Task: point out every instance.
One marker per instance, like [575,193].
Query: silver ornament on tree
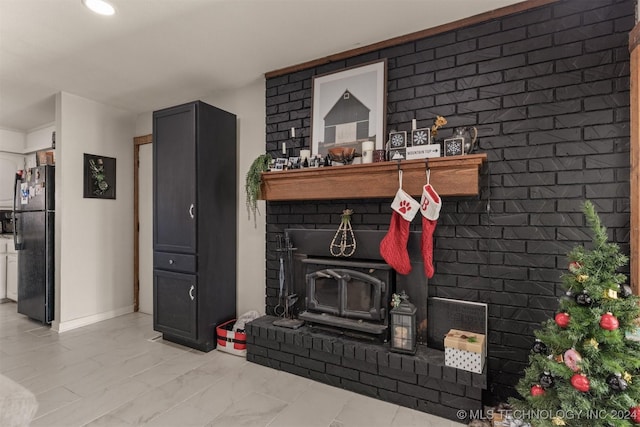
[584,299]
[625,291]
[539,347]
[616,382]
[546,380]
[344,242]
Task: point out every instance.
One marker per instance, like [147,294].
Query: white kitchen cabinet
[3,268]
[12,272]
[9,164]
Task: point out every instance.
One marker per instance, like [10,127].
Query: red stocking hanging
[430,209]
[393,246]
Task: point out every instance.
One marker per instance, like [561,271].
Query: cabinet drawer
[174,262]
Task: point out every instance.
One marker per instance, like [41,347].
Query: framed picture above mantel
[349,108]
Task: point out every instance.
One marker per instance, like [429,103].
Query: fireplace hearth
[420,381]
[343,300]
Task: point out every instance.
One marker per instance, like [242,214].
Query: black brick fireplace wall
[548,90]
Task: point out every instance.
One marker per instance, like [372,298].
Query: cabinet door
[12,277]
[174,177]
[175,303]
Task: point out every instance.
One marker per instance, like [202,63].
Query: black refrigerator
[33,210]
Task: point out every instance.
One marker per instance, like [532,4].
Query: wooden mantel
[450,176]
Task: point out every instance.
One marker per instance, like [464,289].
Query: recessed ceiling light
[100,7]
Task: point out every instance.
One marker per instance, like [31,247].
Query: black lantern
[403,325]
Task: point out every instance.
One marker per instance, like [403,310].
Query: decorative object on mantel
[452,176]
[253,181]
[397,145]
[347,245]
[349,107]
[422,143]
[453,147]
[422,146]
[342,155]
[403,324]
[99,177]
[469,136]
[438,122]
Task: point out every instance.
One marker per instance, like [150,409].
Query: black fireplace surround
[548,90]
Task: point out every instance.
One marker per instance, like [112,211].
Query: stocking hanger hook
[428,172]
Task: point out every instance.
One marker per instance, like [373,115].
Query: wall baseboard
[89,320]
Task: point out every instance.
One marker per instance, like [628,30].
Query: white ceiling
[157,53]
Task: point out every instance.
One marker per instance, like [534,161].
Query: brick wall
[548,90]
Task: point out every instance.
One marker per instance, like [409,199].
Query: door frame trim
[137,142]
[634,139]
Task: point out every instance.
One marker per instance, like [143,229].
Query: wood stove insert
[348,295]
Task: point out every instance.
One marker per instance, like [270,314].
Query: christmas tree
[583,368]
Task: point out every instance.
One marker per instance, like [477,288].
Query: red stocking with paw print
[393,247]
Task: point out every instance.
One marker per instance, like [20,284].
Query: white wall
[94,243]
[247,104]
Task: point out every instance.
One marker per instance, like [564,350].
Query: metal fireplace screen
[349,295]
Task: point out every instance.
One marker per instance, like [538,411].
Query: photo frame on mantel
[349,107]
[99,177]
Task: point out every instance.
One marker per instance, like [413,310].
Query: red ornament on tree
[609,322]
[562,319]
[580,382]
[537,390]
[634,413]
[574,266]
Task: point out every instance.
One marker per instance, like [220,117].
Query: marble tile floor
[119,372]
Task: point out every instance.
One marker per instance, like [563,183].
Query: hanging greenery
[252,183]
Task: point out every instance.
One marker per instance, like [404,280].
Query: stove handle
[336,276]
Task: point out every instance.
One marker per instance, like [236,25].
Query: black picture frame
[420,137]
[349,107]
[453,147]
[397,140]
[99,177]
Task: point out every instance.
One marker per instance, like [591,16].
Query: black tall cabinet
[194,222]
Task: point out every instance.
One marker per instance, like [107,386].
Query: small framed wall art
[420,137]
[397,145]
[99,177]
[453,147]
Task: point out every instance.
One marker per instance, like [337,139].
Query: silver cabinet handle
[171,261]
[191,292]
[191,211]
